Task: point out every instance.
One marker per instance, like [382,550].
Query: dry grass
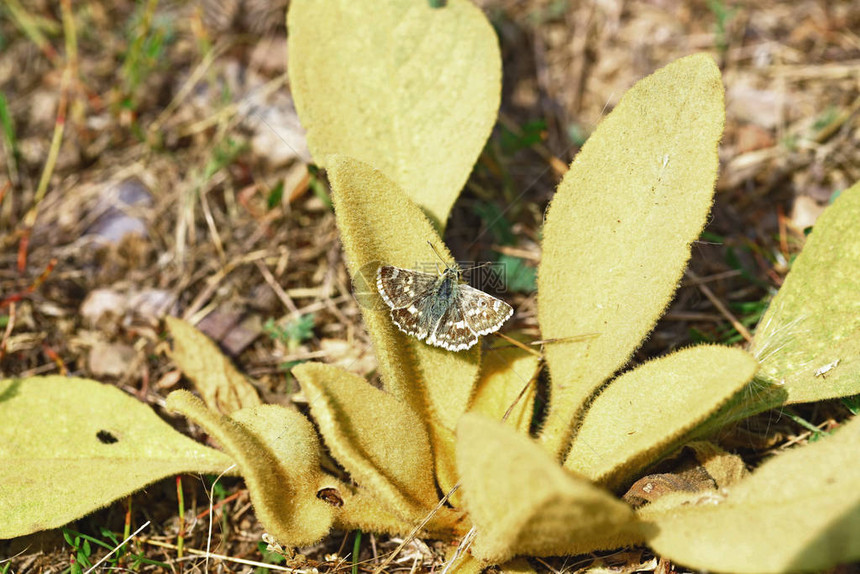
[192,146]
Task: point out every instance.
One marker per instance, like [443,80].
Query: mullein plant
[444,448]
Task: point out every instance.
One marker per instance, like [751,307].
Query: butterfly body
[438,309]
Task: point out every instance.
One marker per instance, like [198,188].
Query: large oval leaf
[808,342]
[619,229]
[523,502]
[277,452]
[648,411]
[799,512]
[412,90]
[379,440]
[71,446]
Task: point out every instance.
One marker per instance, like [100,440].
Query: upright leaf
[379,440]
[412,90]
[277,453]
[379,225]
[808,342]
[618,231]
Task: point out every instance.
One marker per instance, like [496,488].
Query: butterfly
[439,309]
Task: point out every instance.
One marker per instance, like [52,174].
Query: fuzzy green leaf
[412,90]
[618,231]
[444,454]
[800,511]
[277,452]
[507,381]
[517,566]
[508,377]
[222,387]
[71,446]
[364,511]
[376,438]
[464,562]
[649,411]
[523,502]
[808,342]
[379,225]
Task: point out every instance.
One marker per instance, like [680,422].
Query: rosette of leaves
[617,238]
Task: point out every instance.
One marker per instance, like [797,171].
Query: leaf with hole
[70,446]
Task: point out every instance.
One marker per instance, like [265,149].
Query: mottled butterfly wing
[451,331]
[484,313]
[408,294]
[402,287]
[410,321]
[438,309]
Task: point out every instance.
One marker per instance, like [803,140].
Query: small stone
[110,359]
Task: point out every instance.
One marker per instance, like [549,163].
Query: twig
[15,297]
[195,552]
[120,545]
[414,532]
[706,291]
[279,291]
[517,344]
[69,71]
[464,545]
[525,388]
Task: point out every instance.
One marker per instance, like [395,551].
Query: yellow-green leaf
[508,381]
[412,90]
[363,511]
[277,452]
[379,225]
[221,386]
[809,340]
[618,231]
[464,562]
[444,441]
[517,566]
[70,446]
[649,411]
[799,512]
[523,502]
[723,467]
[380,441]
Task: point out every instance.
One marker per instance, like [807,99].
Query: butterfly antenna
[433,247]
[442,259]
[478,266]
